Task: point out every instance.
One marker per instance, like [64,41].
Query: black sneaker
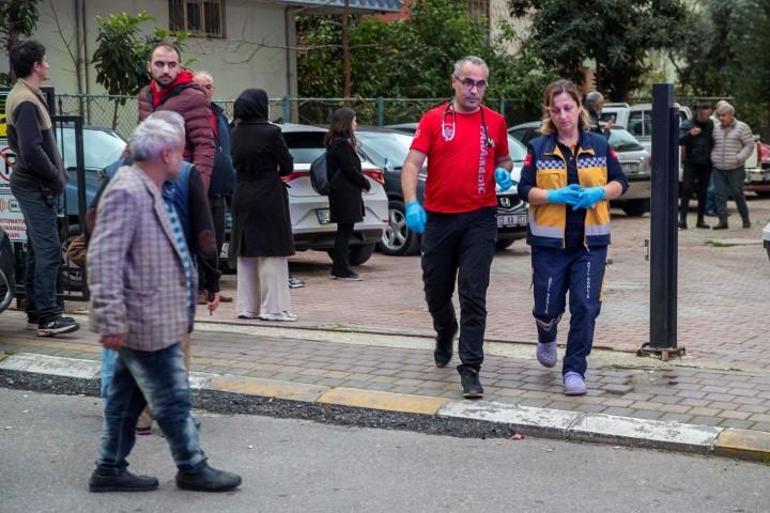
[469,379]
[208,479]
[347,277]
[442,354]
[57,326]
[120,480]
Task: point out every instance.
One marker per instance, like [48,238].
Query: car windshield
[382,146]
[305,147]
[621,140]
[100,147]
[517,150]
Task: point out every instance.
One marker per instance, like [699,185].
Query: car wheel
[504,243]
[358,254]
[636,208]
[397,239]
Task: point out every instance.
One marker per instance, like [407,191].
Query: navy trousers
[581,272]
[458,248]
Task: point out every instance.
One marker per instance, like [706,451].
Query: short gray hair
[470,59]
[725,106]
[155,134]
[169,116]
[203,74]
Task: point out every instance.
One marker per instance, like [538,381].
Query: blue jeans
[43,259]
[581,271]
[161,377]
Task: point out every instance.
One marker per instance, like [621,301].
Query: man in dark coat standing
[173,88]
[37,182]
[223,173]
[696,137]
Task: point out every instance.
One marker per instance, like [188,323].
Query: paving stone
[706,421]
[676,417]
[618,411]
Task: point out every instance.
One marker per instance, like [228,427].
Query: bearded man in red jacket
[172,88]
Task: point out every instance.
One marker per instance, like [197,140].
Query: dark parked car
[387,148]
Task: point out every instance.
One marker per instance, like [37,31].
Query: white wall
[253,54]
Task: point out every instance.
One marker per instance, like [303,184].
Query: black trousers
[218,215]
[695,179]
[341,257]
[217,205]
[459,248]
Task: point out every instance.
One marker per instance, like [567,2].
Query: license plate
[630,168]
[323,215]
[225,253]
[507,220]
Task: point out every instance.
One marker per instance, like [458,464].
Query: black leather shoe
[721,226]
[469,379]
[746,223]
[442,354]
[120,480]
[702,224]
[682,225]
[208,479]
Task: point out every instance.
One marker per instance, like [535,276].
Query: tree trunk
[115,115]
[346,88]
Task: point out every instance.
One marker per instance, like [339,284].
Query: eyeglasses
[469,83]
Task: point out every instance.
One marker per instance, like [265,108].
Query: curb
[502,418]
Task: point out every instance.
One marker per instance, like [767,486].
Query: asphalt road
[48,444]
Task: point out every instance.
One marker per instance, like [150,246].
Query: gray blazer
[136,273]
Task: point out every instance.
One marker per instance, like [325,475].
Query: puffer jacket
[189,101]
[732,145]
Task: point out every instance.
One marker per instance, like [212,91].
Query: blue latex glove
[503,178]
[415,216]
[568,195]
[589,197]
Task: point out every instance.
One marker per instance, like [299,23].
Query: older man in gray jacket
[733,144]
[143,295]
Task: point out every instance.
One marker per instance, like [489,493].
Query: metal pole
[380,111]
[287,109]
[663,225]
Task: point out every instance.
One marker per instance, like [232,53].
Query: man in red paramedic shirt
[466,145]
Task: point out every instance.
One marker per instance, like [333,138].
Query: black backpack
[319,175]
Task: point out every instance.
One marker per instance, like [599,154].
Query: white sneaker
[278,317]
[246,315]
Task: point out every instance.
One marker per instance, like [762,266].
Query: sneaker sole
[45,332]
[473,395]
[102,489]
[182,486]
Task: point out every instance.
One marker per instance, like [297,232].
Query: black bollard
[663,226]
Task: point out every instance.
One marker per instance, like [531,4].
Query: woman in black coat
[262,239]
[347,182]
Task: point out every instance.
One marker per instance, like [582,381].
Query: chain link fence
[121,112]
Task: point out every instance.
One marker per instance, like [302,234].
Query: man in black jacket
[37,181]
[223,172]
[695,136]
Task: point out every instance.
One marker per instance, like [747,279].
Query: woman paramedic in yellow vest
[568,178]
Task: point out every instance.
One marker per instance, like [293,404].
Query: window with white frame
[202,18]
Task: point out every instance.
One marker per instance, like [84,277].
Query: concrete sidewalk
[630,400]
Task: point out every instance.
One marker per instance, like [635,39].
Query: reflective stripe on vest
[547,222]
